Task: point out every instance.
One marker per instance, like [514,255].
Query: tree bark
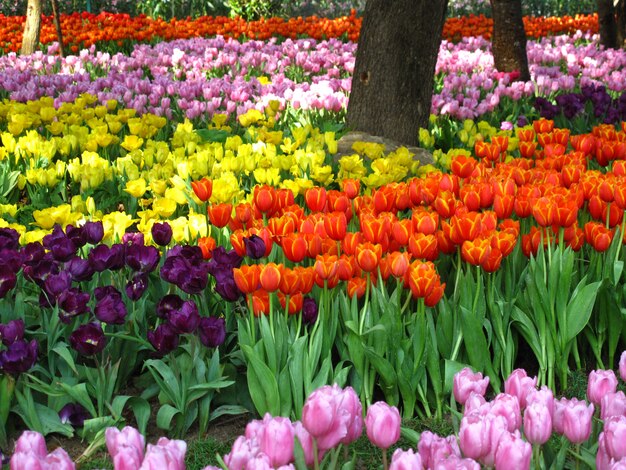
[57,25]
[607,23]
[508,43]
[620,14]
[30,38]
[392,84]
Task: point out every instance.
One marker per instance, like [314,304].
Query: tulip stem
[316,462]
[385,464]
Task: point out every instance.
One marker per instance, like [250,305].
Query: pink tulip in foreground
[434,449]
[405,460]
[572,418]
[480,434]
[31,454]
[455,462]
[466,382]
[537,423]
[382,425]
[520,385]
[613,404]
[600,383]
[126,447]
[513,452]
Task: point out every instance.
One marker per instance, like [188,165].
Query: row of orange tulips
[84,29]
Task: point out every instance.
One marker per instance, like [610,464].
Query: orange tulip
[295,302]
[425,221]
[260,302]
[335,225]
[376,229]
[315,199]
[345,267]
[598,236]
[307,278]
[525,134]
[401,230]
[270,276]
[236,240]
[289,281]
[543,211]
[527,149]
[325,266]
[264,198]
[350,241]
[368,256]
[207,245]
[203,189]
[351,187]
[445,204]
[356,286]
[504,242]
[265,234]
[294,247]
[220,214]
[463,166]
[436,294]
[243,213]
[470,196]
[465,226]
[247,278]
[493,261]
[543,125]
[422,277]
[476,251]
[423,246]
[398,263]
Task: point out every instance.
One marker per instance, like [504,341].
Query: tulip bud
[382,425]
[613,404]
[600,383]
[519,385]
[622,366]
[537,423]
[513,452]
[466,382]
[405,460]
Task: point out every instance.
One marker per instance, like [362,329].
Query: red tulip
[203,189]
[294,247]
[543,125]
[543,211]
[463,166]
[247,278]
[368,256]
[351,187]
[336,225]
[315,199]
[220,214]
[264,198]
[207,245]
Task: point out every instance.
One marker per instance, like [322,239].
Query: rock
[344,146]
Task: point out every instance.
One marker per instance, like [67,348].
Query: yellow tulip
[136,188]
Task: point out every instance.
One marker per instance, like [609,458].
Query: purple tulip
[32,252]
[309,311]
[382,424]
[513,452]
[600,383]
[405,460]
[39,271]
[167,304]
[19,357]
[537,423]
[12,331]
[322,416]
[184,271]
[88,339]
[212,331]
[110,307]
[185,319]
[465,382]
[74,413]
[93,232]
[76,235]
[80,269]
[519,385]
[133,238]
[255,246]
[12,259]
[55,284]
[72,302]
[163,339]
[572,418]
[136,286]
[622,366]
[161,233]
[142,258]
[613,404]
[9,239]
[228,290]
[433,448]
[103,257]
[59,244]
[8,279]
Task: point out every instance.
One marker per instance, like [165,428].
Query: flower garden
[183,239]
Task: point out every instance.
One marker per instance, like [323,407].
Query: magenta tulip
[513,452]
[306,441]
[352,405]
[405,460]
[168,455]
[128,441]
[520,385]
[600,383]
[454,462]
[277,441]
[619,465]
[507,406]
[31,442]
[543,395]
[573,419]
[243,450]
[466,382]
[480,434]
[613,404]
[382,424]
[615,437]
[537,423]
[474,402]
[324,418]
[433,448]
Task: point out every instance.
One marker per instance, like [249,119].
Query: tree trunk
[30,38]
[607,24]
[620,19]
[57,25]
[392,84]
[508,43]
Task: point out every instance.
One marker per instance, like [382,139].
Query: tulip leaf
[284,388]
[450,370]
[62,350]
[580,307]
[165,415]
[296,363]
[298,454]
[38,417]
[141,410]
[527,328]
[322,376]
[227,410]
[261,384]
[212,135]
[79,393]
[410,435]
[385,370]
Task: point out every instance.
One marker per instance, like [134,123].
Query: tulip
[255,246]
[465,382]
[94,232]
[19,357]
[480,434]
[185,319]
[242,451]
[212,331]
[126,447]
[573,419]
[203,189]
[161,233]
[433,448]
[11,332]
[613,404]
[31,442]
[507,406]
[537,423]
[294,247]
[73,413]
[382,424]
[220,214]
[88,339]
[455,462]
[520,385]
[351,405]
[622,366]
[513,452]
[163,339]
[306,442]
[599,384]
[166,454]
[110,307]
[309,311]
[269,277]
[323,418]
[405,460]
[276,440]
[614,433]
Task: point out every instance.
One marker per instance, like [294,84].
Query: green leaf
[261,384]
[79,393]
[212,135]
[227,410]
[284,388]
[165,415]
[410,435]
[62,350]
[579,308]
[141,410]
[450,369]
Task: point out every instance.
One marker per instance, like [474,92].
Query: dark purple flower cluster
[19,355]
[570,105]
[185,267]
[11,260]
[221,268]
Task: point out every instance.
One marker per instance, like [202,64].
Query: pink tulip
[520,385]
[537,423]
[474,402]
[480,434]
[405,460]
[615,437]
[31,442]
[513,452]
[128,437]
[382,424]
[622,366]
[59,459]
[324,418]
[613,404]
[603,461]
[168,455]
[573,419]
[306,441]
[543,395]
[26,461]
[600,383]
[351,403]
[242,451]
[456,463]
[619,465]
[211,467]
[465,382]
[433,448]
[277,441]
[127,458]
[507,406]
